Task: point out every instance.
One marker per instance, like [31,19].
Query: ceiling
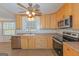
[45,8]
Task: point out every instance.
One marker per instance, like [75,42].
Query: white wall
[3,38]
[5,16]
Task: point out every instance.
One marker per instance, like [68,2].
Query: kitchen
[53,30]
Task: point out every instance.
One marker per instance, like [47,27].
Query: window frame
[8,29]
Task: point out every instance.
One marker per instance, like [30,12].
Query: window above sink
[30,25]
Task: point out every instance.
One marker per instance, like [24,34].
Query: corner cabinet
[69,51]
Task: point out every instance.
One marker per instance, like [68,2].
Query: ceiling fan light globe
[27,12]
[31,19]
[33,13]
[29,15]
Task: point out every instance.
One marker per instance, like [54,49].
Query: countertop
[74,45]
[32,34]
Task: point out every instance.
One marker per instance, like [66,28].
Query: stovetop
[58,37]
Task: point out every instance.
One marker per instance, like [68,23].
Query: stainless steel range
[58,44]
[70,36]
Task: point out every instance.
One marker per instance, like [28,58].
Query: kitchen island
[32,41]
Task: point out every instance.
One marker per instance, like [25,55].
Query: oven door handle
[57,41]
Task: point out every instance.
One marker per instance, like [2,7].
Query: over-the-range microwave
[68,22]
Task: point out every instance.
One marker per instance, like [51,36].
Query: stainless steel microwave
[68,22]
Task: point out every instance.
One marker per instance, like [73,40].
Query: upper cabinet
[50,21]
[45,21]
[75,16]
[53,21]
[18,22]
[67,9]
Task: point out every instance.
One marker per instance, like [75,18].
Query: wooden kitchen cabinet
[53,21]
[42,22]
[15,42]
[18,21]
[69,51]
[36,42]
[27,42]
[67,9]
[43,42]
[48,21]
[75,16]
[24,42]
[31,42]
[45,21]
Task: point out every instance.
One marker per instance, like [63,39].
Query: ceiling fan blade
[22,11]
[21,5]
[30,4]
[38,14]
[36,6]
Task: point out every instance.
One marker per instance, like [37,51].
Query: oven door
[58,47]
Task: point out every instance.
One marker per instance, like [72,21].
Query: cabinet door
[50,42]
[41,43]
[18,22]
[48,21]
[24,42]
[42,21]
[75,16]
[45,21]
[53,21]
[68,51]
[68,9]
[31,42]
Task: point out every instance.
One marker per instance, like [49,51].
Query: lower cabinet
[24,42]
[41,43]
[68,51]
[31,42]
[36,42]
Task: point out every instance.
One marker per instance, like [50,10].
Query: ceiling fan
[31,10]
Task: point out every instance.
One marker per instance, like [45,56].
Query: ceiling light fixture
[32,10]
